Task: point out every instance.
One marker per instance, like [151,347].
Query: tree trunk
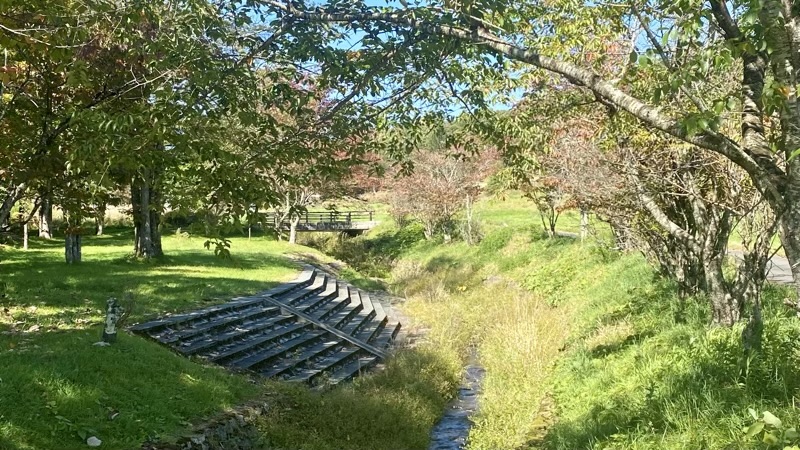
[790,223]
[726,310]
[72,246]
[468,208]
[147,205]
[295,220]
[100,219]
[553,220]
[46,218]
[584,224]
[12,197]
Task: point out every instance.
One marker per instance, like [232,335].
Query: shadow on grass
[682,382]
[603,350]
[62,390]
[181,280]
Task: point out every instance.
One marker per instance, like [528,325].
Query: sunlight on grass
[62,387]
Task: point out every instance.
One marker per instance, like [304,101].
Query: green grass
[60,387]
[584,348]
[487,296]
[394,409]
[644,373]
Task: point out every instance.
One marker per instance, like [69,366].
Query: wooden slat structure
[316,329]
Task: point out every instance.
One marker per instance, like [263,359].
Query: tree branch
[765,172]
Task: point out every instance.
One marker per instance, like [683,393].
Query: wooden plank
[365,315]
[307,354]
[375,326]
[352,369]
[194,315]
[308,374]
[236,334]
[279,350]
[297,295]
[267,338]
[387,335]
[218,322]
[363,345]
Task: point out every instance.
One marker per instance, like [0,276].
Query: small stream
[451,432]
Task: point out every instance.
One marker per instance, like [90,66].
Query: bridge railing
[313,217]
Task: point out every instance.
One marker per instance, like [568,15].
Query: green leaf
[753,413]
[634,56]
[771,420]
[770,439]
[754,429]
[791,434]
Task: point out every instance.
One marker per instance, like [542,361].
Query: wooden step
[370,331]
[236,334]
[281,349]
[256,342]
[311,329]
[201,314]
[314,369]
[314,351]
[387,335]
[296,296]
[305,278]
[365,315]
[353,369]
[227,320]
[309,303]
[274,352]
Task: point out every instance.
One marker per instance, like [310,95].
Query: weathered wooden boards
[314,329]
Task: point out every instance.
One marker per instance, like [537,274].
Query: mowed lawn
[56,388]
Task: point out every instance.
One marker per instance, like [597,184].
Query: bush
[496,240]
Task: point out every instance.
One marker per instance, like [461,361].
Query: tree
[439,187]
[678,205]
[684,40]
[103,96]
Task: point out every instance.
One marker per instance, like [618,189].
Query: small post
[24,228]
[113,313]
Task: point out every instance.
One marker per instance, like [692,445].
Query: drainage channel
[451,432]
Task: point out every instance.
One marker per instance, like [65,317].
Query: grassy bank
[514,298]
[56,388]
[586,348]
[583,348]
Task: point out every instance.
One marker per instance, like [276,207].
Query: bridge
[328,221]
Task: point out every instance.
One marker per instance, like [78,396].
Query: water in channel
[451,432]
